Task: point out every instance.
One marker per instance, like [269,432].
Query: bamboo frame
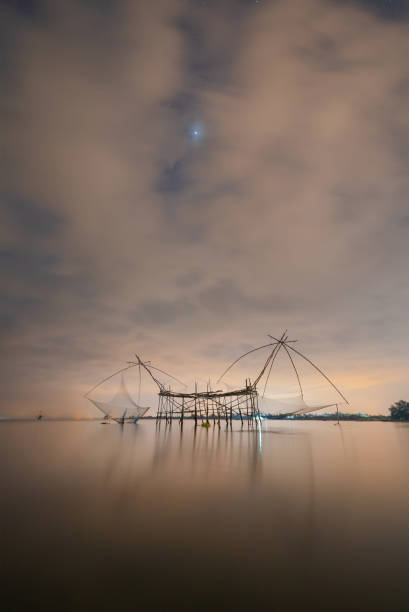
[209,404]
[219,405]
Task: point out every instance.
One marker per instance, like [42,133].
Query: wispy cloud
[120,231]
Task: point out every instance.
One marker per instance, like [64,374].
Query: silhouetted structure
[241,403]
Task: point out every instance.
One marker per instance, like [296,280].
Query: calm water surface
[296,516]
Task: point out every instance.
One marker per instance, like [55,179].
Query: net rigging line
[241,357]
[150,367]
[316,367]
[282,343]
[248,353]
[101,382]
[130,365]
[272,357]
[295,370]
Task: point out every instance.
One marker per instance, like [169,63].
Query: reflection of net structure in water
[200,449]
[245,403]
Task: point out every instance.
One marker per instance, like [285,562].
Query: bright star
[196,132]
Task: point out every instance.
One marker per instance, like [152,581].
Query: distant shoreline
[326,417]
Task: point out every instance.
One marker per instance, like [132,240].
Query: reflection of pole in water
[181,438]
[341,431]
[215,449]
[126,483]
[260,439]
[310,518]
[194,440]
[337,423]
[161,446]
[256,441]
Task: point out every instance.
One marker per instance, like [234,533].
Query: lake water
[297,516]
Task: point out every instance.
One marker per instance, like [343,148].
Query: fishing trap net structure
[244,403]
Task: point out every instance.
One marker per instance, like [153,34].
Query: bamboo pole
[196,405]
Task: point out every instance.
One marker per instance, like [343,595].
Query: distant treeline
[400,411]
[329,417]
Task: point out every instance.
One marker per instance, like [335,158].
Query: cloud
[162,312]
[120,234]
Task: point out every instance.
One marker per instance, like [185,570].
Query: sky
[181,178]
